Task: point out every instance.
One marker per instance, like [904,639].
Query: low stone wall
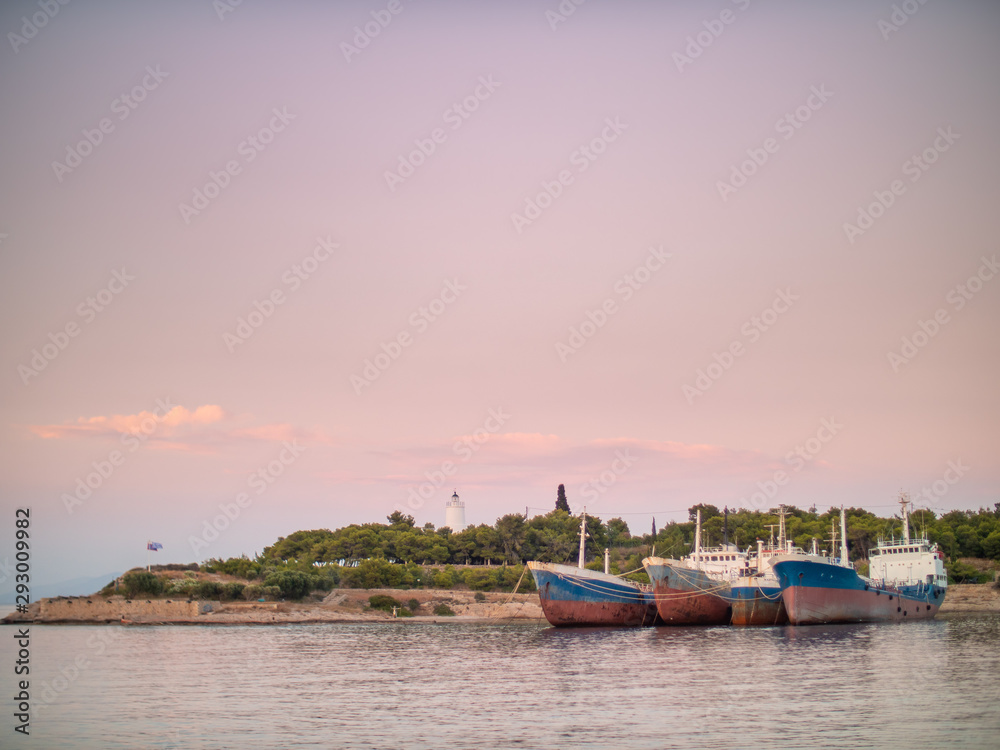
[115,608]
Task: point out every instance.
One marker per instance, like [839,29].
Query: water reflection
[926,684]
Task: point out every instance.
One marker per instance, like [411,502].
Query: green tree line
[399,554]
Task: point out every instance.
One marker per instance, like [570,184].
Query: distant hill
[72,587]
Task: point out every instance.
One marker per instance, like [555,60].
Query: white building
[454,514]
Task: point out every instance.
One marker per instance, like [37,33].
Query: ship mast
[781,528]
[843,538]
[583,537]
[697,535]
[904,501]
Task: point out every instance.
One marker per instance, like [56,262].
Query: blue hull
[819,592]
[574,597]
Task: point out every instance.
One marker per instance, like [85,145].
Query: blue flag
[154,546]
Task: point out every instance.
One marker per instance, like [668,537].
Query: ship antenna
[583,537]
[725,527]
[904,501]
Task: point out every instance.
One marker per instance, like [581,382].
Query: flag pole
[147,555]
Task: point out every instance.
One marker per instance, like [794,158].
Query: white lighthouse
[454,514]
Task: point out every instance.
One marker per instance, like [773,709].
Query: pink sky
[488,254]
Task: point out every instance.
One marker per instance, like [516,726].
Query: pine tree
[561,502]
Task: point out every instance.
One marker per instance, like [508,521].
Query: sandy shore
[343,605]
[971,597]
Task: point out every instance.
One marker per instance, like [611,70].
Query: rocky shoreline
[350,606]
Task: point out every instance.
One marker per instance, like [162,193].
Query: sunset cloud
[206,428]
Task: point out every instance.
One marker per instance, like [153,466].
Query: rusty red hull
[688,597]
[759,611]
[810,606]
[565,613]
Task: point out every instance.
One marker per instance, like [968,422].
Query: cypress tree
[561,502]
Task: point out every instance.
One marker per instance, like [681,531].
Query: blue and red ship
[906,581]
[578,596]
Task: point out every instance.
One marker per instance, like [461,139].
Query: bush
[507,578]
[444,579]
[480,579]
[380,601]
[373,574]
[413,605]
[444,610]
[960,572]
[137,582]
[271,592]
[480,596]
[253,592]
[207,590]
[232,590]
[291,583]
[327,577]
[182,586]
[241,567]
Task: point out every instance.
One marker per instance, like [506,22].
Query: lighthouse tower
[454,514]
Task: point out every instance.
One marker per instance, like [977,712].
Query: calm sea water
[920,685]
